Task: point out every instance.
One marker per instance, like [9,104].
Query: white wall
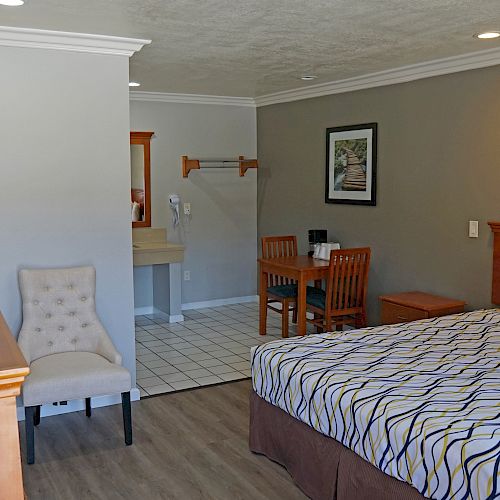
[64,166]
[221,237]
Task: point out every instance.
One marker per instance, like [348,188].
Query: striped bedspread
[420,401]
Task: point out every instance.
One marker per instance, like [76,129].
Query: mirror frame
[144,138]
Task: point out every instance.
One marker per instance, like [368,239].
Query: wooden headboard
[495,285]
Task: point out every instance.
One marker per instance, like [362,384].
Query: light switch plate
[187,208]
[473,229]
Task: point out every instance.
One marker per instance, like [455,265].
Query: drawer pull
[402,317]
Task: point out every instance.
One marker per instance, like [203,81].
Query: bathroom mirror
[140,175]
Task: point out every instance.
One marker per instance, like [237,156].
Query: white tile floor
[211,346]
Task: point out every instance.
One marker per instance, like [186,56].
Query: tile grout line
[224,323]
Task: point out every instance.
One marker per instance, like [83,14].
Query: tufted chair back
[59,312]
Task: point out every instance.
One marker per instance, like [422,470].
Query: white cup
[325,249]
[317,248]
[324,253]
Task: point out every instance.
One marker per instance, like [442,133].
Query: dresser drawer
[394,313]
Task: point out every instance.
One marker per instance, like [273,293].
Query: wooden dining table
[301,268]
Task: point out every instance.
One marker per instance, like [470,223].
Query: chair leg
[360,321]
[29,419]
[88,407]
[36,416]
[284,318]
[328,325]
[127,417]
[319,328]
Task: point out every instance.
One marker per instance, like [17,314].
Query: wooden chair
[344,301]
[279,288]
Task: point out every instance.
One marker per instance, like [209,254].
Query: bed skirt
[323,468]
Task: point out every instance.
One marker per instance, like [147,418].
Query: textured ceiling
[256,47]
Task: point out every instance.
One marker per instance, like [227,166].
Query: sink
[150,247]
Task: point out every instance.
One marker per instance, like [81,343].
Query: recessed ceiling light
[134,84]
[12,3]
[308,78]
[487,35]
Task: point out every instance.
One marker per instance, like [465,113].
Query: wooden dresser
[411,306]
[13,371]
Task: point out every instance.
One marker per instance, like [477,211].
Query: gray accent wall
[221,234]
[438,168]
[64,165]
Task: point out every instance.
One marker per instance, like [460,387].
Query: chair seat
[73,375]
[283,291]
[316,297]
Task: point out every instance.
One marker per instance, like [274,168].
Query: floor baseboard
[219,302]
[141,311]
[145,310]
[169,318]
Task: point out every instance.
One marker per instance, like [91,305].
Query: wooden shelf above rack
[242,163]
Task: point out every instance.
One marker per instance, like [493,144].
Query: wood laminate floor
[187,445]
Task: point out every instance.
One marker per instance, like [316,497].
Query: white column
[175,296]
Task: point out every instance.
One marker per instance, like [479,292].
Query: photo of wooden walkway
[355,176]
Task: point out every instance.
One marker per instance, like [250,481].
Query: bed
[407,411]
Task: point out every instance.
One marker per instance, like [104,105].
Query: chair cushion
[285,291]
[316,297]
[73,375]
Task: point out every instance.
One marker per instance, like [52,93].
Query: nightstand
[411,306]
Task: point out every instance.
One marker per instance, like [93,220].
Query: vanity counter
[150,247]
[147,253]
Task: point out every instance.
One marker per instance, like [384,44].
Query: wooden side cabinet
[411,306]
[13,370]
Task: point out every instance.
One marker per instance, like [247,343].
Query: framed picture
[351,164]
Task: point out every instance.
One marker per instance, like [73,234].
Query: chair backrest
[59,312]
[347,281]
[279,246]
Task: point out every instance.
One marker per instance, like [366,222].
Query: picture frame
[351,164]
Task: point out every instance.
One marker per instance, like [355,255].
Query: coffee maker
[316,236]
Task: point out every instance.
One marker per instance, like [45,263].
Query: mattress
[420,401]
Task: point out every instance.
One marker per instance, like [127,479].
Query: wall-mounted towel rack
[241,162]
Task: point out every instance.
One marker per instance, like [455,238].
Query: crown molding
[403,74]
[75,42]
[192,99]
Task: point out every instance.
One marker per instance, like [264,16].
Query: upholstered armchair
[69,352]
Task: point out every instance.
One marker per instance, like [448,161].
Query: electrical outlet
[187,208]
[473,229]
[187,275]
